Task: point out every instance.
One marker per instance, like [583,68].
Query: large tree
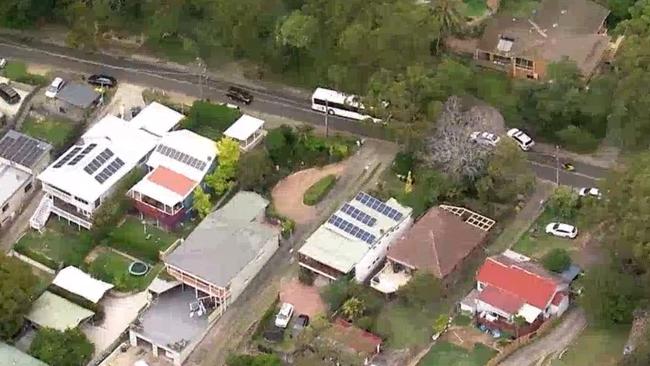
[56,348]
[17,283]
[256,171]
[508,174]
[609,296]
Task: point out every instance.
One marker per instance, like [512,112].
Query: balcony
[390,278]
[70,213]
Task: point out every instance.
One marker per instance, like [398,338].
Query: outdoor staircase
[42,213]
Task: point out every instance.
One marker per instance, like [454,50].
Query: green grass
[113,267]
[475,8]
[319,190]
[462,320]
[519,8]
[210,120]
[596,346]
[403,326]
[536,242]
[59,243]
[17,71]
[130,238]
[445,353]
[55,131]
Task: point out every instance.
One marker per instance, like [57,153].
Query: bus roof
[334,96]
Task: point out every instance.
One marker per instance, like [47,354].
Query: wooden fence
[520,342]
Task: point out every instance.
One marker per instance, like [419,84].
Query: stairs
[42,213]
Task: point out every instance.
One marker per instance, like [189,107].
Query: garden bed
[59,244]
[319,190]
[113,267]
[141,241]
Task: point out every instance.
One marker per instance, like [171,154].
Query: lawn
[59,243]
[475,8]
[210,120]
[113,267]
[445,353]
[519,8]
[536,242]
[144,242]
[602,347]
[403,326]
[17,71]
[55,131]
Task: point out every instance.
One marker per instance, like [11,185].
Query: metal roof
[53,311]
[22,149]
[79,95]
[14,357]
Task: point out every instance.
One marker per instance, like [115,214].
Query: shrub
[404,163]
[111,212]
[56,348]
[266,318]
[258,360]
[319,190]
[306,276]
[36,255]
[209,120]
[557,260]
[336,293]
[564,203]
[421,290]
[576,139]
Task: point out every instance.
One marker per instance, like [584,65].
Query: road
[271,101]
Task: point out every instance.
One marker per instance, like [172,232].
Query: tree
[221,180]
[256,171]
[353,308]
[440,324]
[421,290]
[201,202]
[297,30]
[563,203]
[17,283]
[448,15]
[609,296]
[56,348]
[257,360]
[508,174]
[556,260]
[519,321]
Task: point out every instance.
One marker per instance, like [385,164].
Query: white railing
[70,217]
[42,213]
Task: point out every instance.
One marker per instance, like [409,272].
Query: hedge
[319,190]
[37,256]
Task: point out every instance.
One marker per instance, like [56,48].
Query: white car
[3,62]
[524,141]
[589,192]
[284,315]
[54,88]
[484,138]
[562,230]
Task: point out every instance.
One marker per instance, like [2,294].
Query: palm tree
[353,308]
[449,15]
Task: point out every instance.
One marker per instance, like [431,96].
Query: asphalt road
[270,101]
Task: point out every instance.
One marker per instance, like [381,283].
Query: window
[81,200]
[98,202]
[28,187]
[5,208]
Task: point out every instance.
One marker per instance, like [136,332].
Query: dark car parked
[301,322]
[9,94]
[102,80]
[239,94]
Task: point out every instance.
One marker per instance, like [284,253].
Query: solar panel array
[98,161]
[22,149]
[82,154]
[351,229]
[358,215]
[108,172]
[181,156]
[67,157]
[378,206]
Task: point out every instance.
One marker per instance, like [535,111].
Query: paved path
[8,238]
[559,338]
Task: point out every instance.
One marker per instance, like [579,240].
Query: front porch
[391,278]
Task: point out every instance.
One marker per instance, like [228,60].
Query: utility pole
[557,165]
[201,74]
[327,112]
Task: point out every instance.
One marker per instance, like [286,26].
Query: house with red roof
[176,167]
[510,285]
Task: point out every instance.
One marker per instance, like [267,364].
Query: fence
[520,342]
[32,262]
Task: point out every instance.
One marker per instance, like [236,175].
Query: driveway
[558,339]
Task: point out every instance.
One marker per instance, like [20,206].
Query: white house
[247,130]
[355,238]
[85,175]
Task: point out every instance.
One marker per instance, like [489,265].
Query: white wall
[15,202]
[374,257]
[239,283]
[482,306]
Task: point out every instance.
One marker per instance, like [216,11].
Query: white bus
[336,103]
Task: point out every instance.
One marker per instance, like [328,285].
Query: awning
[159,286]
[530,313]
[80,283]
[53,311]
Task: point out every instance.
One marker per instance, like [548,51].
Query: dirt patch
[305,299]
[467,337]
[39,69]
[287,195]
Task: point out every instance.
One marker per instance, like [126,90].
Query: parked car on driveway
[589,192]
[55,87]
[484,138]
[240,95]
[301,322]
[562,230]
[102,80]
[524,141]
[8,93]
[284,315]
[3,62]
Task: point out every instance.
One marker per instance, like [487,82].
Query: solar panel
[21,149]
[111,169]
[181,157]
[378,206]
[358,215]
[352,229]
[67,157]
[98,161]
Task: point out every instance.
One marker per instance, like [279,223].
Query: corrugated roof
[244,127]
[79,95]
[23,150]
[12,356]
[53,311]
[500,299]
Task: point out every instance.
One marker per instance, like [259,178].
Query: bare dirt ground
[467,336]
[288,193]
[305,299]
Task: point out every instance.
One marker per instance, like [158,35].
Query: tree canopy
[56,348]
[17,283]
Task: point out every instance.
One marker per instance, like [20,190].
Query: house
[86,175]
[355,238]
[438,243]
[12,356]
[247,130]
[212,267]
[73,100]
[176,167]
[524,47]
[510,286]
[21,159]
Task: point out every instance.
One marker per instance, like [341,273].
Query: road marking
[564,171]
